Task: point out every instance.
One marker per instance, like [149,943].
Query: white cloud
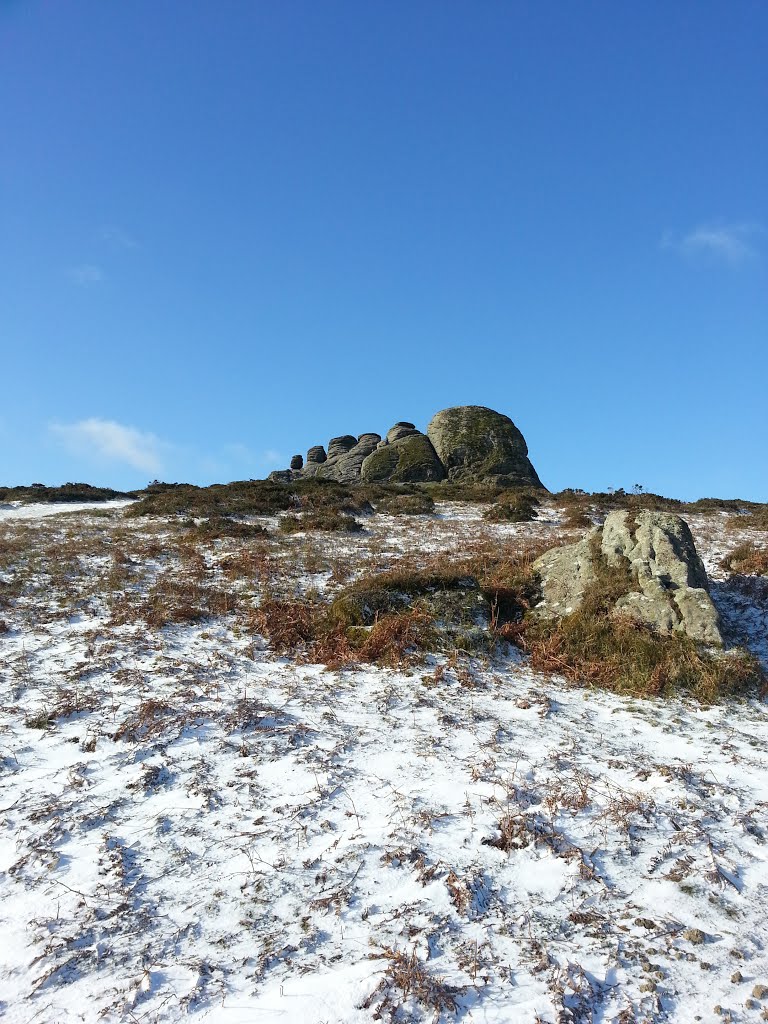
[85,274]
[116,238]
[112,442]
[728,243]
[272,458]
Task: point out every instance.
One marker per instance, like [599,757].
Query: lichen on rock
[476,443]
[668,588]
[408,459]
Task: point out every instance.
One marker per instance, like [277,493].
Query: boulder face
[478,444]
[565,574]
[673,591]
[340,445]
[401,430]
[670,592]
[410,458]
[346,468]
[316,454]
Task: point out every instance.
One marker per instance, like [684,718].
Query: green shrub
[326,519]
[248,497]
[65,492]
[243,497]
[216,527]
[747,559]
[405,505]
[513,507]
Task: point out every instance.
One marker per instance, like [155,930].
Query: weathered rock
[297,462]
[316,454]
[402,429]
[565,574]
[409,459]
[282,476]
[669,590]
[674,590]
[340,445]
[475,443]
[346,468]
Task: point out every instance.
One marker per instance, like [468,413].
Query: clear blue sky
[231,230]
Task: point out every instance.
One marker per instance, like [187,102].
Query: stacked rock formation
[465,443]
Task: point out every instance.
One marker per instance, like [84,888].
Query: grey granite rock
[476,443]
[316,454]
[408,459]
[669,592]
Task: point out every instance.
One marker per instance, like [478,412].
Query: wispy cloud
[112,442]
[116,237]
[85,274]
[272,458]
[733,244]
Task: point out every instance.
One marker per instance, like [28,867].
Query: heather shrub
[326,519]
[747,559]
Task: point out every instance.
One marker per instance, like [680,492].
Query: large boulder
[478,444]
[673,587]
[408,459]
[669,589]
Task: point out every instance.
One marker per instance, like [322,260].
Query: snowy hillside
[194,825]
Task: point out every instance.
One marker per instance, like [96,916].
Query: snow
[39,510]
[215,832]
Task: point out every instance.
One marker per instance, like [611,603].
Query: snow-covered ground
[207,829]
[39,510]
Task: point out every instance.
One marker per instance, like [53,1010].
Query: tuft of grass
[757,519]
[174,599]
[295,627]
[405,505]
[407,978]
[326,519]
[513,507]
[217,527]
[747,559]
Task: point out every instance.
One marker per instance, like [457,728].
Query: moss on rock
[407,460]
[476,443]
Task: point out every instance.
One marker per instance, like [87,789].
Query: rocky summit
[468,443]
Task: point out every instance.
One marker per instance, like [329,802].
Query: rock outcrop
[409,458]
[297,462]
[475,443]
[340,445]
[467,443]
[399,430]
[669,589]
[316,455]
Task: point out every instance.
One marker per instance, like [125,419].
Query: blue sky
[229,231]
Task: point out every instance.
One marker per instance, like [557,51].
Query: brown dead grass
[748,559]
